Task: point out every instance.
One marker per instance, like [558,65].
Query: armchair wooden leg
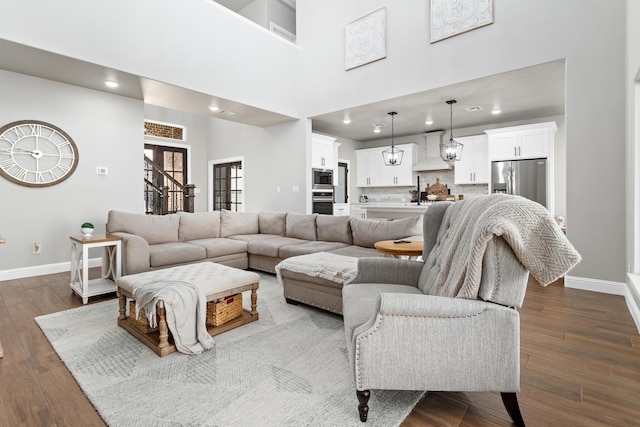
[510,401]
[363,407]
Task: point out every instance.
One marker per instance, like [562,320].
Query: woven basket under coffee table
[220,284]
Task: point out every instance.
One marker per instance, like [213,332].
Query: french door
[228,185]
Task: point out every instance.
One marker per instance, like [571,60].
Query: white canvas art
[451,17]
[365,39]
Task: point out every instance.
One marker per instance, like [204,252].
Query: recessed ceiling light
[111,84]
[474,108]
[496,111]
[428,122]
[377,127]
[346,120]
[214,108]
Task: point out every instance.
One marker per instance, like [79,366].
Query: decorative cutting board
[438,189]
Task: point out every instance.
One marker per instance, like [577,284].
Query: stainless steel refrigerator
[526,178]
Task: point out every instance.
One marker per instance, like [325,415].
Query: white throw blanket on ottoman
[336,268]
[186,312]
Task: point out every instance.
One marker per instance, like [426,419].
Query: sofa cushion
[271,246]
[220,246]
[199,225]
[309,248]
[153,228]
[272,223]
[238,223]
[301,226]
[366,232]
[334,228]
[163,254]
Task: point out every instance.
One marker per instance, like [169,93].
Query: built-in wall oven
[322,191]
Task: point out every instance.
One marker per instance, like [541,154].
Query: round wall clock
[36,154]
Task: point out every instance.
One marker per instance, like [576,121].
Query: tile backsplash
[402,194]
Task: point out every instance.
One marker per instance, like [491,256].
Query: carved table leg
[122,301]
[363,407]
[162,326]
[254,302]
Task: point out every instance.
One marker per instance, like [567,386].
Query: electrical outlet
[37,248]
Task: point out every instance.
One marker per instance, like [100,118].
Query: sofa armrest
[135,254]
[388,270]
[424,342]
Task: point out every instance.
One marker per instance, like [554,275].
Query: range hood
[429,154]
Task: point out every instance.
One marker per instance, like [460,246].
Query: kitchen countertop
[389,207]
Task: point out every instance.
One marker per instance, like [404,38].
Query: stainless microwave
[322,179]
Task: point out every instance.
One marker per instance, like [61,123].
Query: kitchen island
[379,210]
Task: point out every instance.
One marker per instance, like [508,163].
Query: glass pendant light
[451,150]
[392,156]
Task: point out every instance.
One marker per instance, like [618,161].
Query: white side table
[80,282]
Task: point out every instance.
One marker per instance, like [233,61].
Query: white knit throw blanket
[528,228]
[336,268]
[185,310]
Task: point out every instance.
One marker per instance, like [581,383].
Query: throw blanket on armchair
[527,227]
[186,312]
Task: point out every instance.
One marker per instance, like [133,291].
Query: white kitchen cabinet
[340,209]
[372,172]
[368,169]
[473,166]
[358,211]
[522,142]
[323,152]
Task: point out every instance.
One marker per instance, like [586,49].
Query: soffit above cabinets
[524,94]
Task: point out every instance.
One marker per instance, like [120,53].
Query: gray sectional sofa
[246,240]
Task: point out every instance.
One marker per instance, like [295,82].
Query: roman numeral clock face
[36,154]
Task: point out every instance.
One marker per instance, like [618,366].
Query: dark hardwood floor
[580,359]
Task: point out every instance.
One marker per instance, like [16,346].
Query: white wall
[523,34]
[197,44]
[107,130]
[274,157]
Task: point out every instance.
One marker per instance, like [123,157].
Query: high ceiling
[529,93]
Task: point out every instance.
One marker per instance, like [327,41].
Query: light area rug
[289,368]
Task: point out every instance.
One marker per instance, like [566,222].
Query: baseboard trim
[632,296]
[595,285]
[41,270]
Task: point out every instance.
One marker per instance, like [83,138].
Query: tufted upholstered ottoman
[216,281]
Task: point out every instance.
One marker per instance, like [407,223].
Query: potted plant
[87,229]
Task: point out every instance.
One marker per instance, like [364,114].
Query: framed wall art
[452,17]
[365,39]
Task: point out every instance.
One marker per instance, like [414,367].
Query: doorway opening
[165,177]
[342,183]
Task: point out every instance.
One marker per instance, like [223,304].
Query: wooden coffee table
[216,280]
[413,249]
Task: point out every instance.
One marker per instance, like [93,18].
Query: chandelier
[392,156]
[451,150]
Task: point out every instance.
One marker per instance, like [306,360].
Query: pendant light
[451,150]
[392,156]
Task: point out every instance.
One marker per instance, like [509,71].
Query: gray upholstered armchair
[407,326]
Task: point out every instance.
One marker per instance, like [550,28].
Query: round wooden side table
[412,249]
